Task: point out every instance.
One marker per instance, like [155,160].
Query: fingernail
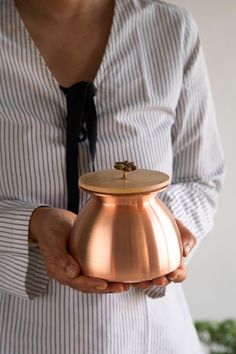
[71,271]
[101,287]
[144,286]
[117,291]
[187,249]
[158,284]
[173,278]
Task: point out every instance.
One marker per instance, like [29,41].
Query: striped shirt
[154,107]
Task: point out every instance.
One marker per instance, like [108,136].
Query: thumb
[188,239]
[61,264]
[72,268]
[69,265]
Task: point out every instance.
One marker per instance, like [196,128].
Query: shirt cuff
[155,291]
[22,269]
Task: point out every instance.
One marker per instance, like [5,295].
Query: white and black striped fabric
[154,107]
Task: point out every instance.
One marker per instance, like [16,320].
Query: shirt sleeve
[198,162]
[22,269]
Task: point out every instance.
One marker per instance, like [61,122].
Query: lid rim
[109,182]
[128,193]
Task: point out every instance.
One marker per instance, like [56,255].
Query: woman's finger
[86,283]
[188,239]
[89,285]
[179,274]
[161,281]
[143,284]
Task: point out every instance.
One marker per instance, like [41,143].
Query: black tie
[81,124]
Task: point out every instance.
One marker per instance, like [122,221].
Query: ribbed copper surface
[126,238]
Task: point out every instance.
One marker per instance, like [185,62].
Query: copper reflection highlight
[126,238]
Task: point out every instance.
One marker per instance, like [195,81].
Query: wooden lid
[111,182]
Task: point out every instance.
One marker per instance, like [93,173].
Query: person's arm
[198,163]
[22,268]
[25,268]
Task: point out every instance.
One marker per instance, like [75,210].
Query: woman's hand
[178,275]
[51,228]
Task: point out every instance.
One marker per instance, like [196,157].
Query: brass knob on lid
[126,167]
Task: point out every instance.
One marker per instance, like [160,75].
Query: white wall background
[211,285]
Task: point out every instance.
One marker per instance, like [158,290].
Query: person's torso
[138,85]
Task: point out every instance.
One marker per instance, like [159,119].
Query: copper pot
[125,233]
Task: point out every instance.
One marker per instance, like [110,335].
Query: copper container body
[126,238]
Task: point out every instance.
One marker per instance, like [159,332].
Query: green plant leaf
[219,334]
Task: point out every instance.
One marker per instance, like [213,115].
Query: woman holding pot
[84,84]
